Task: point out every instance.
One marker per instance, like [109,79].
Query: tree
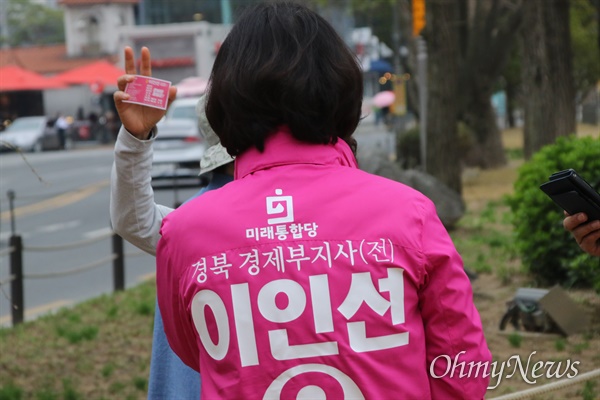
[585,39]
[487,43]
[510,82]
[443,158]
[596,5]
[30,23]
[486,39]
[547,73]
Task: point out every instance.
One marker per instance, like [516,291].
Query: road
[62,198]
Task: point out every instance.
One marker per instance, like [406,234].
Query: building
[184,37]
[92,26]
[154,12]
[178,50]
[99,30]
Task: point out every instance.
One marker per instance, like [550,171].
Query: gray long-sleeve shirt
[133,213]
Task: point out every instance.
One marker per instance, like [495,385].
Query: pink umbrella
[384,99]
[192,86]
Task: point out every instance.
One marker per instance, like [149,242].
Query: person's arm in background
[587,234]
[133,213]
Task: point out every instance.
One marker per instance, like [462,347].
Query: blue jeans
[170,378]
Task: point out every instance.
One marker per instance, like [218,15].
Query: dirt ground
[491,295]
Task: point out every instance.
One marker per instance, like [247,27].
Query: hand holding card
[148,91]
[141,100]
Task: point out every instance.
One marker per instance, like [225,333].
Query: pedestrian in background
[62,125]
[306,276]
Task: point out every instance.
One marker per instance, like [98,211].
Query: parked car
[183,108]
[33,134]
[177,151]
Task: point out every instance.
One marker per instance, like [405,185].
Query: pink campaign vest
[307,277]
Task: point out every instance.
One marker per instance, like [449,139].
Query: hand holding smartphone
[573,194]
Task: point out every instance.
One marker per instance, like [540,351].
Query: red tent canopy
[97,73]
[14,78]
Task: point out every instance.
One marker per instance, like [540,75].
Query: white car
[183,108]
[178,148]
[31,134]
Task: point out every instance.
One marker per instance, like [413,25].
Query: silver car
[183,108]
[32,134]
[177,151]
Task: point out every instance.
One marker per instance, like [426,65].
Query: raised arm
[133,213]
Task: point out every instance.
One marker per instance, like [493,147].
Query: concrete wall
[196,41]
[93,30]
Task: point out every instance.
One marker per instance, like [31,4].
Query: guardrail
[16,277]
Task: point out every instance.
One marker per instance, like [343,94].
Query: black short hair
[283,64]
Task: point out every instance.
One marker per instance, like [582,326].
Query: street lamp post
[422,82]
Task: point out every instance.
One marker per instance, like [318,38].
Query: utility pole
[396,38]
[419,20]
[422,82]
[397,81]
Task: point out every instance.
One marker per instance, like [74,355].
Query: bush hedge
[548,252]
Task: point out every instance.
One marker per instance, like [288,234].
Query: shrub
[408,148]
[549,252]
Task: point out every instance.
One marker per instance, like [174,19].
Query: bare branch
[10,146]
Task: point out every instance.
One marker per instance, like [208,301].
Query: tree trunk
[442,155]
[510,104]
[596,3]
[489,45]
[549,101]
[488,150]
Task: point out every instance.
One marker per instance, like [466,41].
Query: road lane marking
[59,227]
[97,233]
[34,312]
[58,201]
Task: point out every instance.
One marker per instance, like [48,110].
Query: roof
[88,2]
[47,60]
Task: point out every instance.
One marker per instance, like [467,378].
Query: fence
[17,276]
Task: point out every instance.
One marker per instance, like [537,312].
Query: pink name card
[148,91]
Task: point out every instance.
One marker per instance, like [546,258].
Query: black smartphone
[573,194]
